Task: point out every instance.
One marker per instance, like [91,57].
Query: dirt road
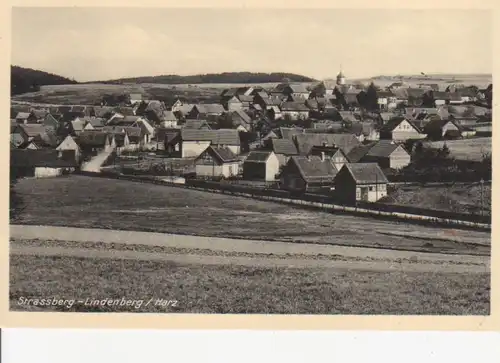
[353,257]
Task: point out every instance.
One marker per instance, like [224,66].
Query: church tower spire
[340,77]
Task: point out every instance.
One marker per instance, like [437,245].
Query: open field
[460,198]
[89,94]
[87,202]
[466,149]
[239,289]
[443,80]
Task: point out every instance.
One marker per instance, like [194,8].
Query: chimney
[322,156]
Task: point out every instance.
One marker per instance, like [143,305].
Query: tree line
[24,80]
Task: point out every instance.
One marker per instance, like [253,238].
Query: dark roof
[167,135]
[132,131]
[217,137]
[205,108]
[306,141]
[313,169]
[382,148]
[289,133]
[366,173]
[196,124]
[70,116]
[415,92]
[357,153]
[33,130]
[105,111]
[284,147]
[125,111]
[92,138]
[294,106]
[168,116]
[77,108]
[223,154]
[97,122]
[39,114]
[297,88]
[439,95]
[42,158]
[258,156]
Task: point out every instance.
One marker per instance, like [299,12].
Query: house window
[370,189]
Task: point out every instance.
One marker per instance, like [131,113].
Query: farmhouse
[194,142]
[303,173]
[217,161]
[438,129]
[295,90]
[282,148]
[400,129]
[261,165]
[387,154]
[360,182]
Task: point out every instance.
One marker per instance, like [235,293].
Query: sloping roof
[294,106]
[39,114]
[298,88]
[103,111]
[348,116]
[224,154]
[78,108]
[46,139]
[393,123]
[258,156]
[306,141]
[210,108]
[245,98]
[42,158]
[22,115]
[71,115]
[415,92]
[196,124]
[97,122]
[366,173]
[284,147]
[243,115]
[125,111]
[400,93]
[357,153]
[313,169]
[439,95]
[33,130]
[382,148]
[290,132]
[217,137]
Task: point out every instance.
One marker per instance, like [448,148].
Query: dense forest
[25,80]
[227,77]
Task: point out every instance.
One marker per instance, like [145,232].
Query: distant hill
[226,77]
[25,80]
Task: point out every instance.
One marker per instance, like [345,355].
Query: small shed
[360,182]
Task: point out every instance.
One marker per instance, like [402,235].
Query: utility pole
[482,184]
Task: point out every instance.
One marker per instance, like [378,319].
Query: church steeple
[340,77]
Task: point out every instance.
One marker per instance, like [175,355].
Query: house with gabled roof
[387,154]
[360,182]
[296,90]
[438,129]
[217,161]
[194,142]
[206,109]
[42,163]
[69,143]
[284,149]
[134,98]
[25,118]
[295,110]
[303,173]
[261,165]
[401,129]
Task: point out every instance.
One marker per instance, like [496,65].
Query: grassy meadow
[87,202]
[236,289]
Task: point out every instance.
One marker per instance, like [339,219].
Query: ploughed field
[80,201]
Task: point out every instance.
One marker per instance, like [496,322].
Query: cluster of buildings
[321,136]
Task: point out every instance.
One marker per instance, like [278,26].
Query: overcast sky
[98,43]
